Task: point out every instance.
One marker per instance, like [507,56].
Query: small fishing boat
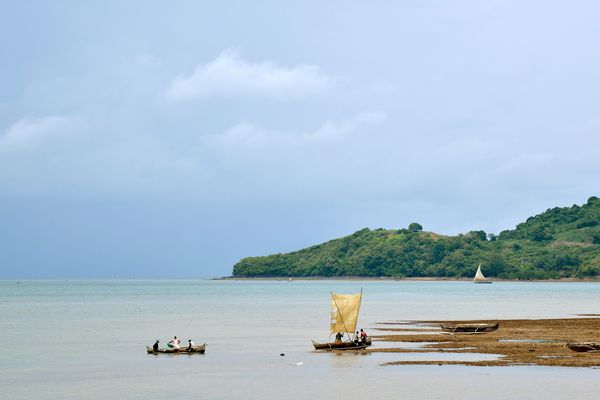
[344,318]
[584,347]
[479,278]
[469,328]
[198,349]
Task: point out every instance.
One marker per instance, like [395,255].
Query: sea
[85,339]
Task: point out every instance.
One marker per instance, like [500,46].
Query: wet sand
[517,341]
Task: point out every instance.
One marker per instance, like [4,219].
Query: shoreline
[385,279]
[295,278]
[539,342]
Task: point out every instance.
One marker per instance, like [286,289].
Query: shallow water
[85,339]
[528,341]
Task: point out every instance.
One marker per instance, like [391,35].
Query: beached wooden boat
[341,346]
[198,349]
[584,347]
[479,278]
[344,318]
[469,328]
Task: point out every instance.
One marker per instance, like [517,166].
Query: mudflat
[516,341]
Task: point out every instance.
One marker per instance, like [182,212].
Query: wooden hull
[584,346]
[341,346]
[200,349]
[470,328]
[482,282]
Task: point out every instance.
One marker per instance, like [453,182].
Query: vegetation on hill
[559,243]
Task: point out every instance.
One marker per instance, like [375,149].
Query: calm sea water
[85,340]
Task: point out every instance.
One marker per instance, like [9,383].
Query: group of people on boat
[174,344]
[359,337]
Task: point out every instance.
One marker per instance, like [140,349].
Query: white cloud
[245,134]
[30,133]
[333,129]
[229,74]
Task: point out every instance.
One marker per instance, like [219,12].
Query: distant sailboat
[479,278]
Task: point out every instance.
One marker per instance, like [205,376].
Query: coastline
[386,278]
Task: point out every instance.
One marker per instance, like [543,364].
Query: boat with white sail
[479,278]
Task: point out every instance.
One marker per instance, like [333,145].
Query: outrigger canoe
[341,346]
[584,346]
[469,328]
[344,317]
[199,349]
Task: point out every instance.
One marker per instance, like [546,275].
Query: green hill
[559,243]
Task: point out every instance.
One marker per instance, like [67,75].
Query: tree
[540,234]
[587,222]
[481,235]
[415,227]
[588,271]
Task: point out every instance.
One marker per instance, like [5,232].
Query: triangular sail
[344,312]
[479,276]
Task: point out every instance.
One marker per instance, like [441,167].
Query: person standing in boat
[338,337]
[155,346]
[174,344]
[363,336]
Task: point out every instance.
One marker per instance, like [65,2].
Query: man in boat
[174,344]
[155,346]
[356,337]
[363,336]
[338,337]
[190,345]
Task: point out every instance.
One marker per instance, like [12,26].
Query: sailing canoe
[198,349]
[344,318]
[469,328]
[584,347]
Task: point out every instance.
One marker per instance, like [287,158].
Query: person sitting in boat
[338,337]
[155,346]
[190,345]
[363,336]
[174,344]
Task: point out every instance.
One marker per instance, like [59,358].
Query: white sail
[479,278]
[344,312]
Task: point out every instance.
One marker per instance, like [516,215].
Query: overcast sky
[151,139]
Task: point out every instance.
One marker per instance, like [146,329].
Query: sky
[146,139]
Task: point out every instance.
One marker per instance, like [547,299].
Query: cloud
[333,129]
[29,133]
[247,135]
[230,75]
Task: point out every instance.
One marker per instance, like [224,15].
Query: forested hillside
[561,242]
